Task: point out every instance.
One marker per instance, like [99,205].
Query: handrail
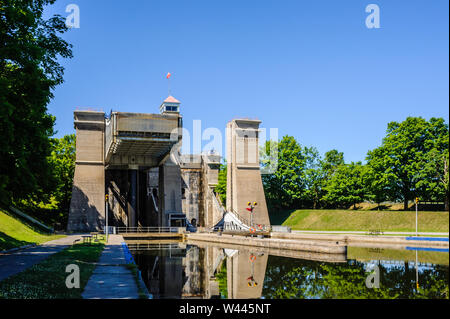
[153,246]
[242,219]
[246,222]
[30,219]
[147,229]
[216,202]
[154,202]
[118,194]
[239,217]
[175,156]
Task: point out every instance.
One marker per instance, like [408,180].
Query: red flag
[168,75]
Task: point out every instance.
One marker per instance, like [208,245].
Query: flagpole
[168,76]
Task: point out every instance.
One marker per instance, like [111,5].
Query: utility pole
[106,217]
[417,204]
[250,208]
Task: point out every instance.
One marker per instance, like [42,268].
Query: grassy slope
[350,220]
[14,233]
[47,280]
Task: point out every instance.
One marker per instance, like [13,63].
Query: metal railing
[117,194]
[124,230]
[216,202]
[155,206]
[243,220]
[153,246]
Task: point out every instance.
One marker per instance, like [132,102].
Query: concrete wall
[192,198]
[169,191]
[87,206]
[210,171]
[244,183]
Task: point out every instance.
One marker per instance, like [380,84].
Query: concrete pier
[288,244]
[87,206]
[297,254]
[362,241]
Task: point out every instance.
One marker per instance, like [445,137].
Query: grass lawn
[351,220]
[13,233]
[47,280]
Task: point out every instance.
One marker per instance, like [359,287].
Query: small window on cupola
[170,105]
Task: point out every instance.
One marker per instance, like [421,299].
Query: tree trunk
[405,204]
[446,201]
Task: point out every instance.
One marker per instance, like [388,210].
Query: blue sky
[312,69]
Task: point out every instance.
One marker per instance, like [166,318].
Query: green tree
[406,162]
[434,181]
[314,177]
[29,71]
[378,180]
[332,160]
[346,186]
[285,186]
[221,187]
[62,160]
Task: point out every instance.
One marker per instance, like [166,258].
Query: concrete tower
[244,183]
[87,206]
[170,197]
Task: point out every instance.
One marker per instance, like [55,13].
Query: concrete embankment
[326,247]
[368,241]
[297,254]
[111,278]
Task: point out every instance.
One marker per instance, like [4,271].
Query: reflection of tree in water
[293,278]
[221,276]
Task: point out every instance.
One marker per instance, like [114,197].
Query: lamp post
[250,209]
[417,202]
[106,217]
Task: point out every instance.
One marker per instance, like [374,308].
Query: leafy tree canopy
[409,161]
[29,71]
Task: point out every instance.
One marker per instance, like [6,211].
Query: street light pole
[250,209]
[106,215]
[417,202]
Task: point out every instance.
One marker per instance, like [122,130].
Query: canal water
[199,270]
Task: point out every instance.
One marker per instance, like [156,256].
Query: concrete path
[111,279]
[16,262]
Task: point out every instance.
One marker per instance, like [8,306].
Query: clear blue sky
[309,68]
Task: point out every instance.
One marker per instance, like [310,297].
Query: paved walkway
[16,262]
[111,279]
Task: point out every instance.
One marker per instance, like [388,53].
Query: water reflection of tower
[244,269]
[201,266]
[162,270]
[193,265]
[251,282]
